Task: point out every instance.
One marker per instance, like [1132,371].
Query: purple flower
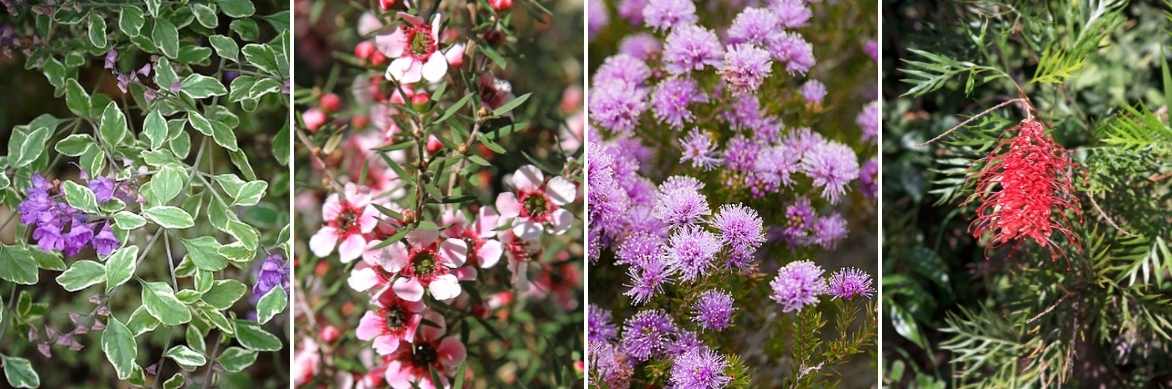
[666,14]
[797,285]
[791,49]
[601,329]
[790,13]
[740,154]
[697,148]
[49,238]
[801,140]
[671,98]
[646,334]
[828,230]
[867,176]
[740,228]
[690,48]
[273,272]
[800,218]
[777,164]
[872,49]
[642,46]
[868,120]
[77,239]
[745,68]
[111,59]
[683,342]
[713,310]
[611,365]
[622,67]
[632,10]
[692,251]
[813,91]
[647,279]
[103,188]
[105,242]
[679,201]
[753,25]
[849,283]
[701,368]
[616,105]
[640,248]
[831,166]
[599,17]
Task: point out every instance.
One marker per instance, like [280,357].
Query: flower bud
[433,144]
[501,5]
[314,118]
[330,103]
[364,50]
[329,334]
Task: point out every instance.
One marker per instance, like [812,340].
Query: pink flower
[479,237]
[415,49]
[410,367]
[305,361]
[426,261]
[347,219]
[537,204]
[395,321]
[314,118]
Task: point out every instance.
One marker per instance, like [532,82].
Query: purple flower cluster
[849,283]
[671,99]
[273,272]
[713,310]
[647,334]
[797,285]
[868,120]
[700,368]
[741,229]
[804,227]
[58,227]
[667,14]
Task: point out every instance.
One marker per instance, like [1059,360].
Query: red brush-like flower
[1025,191]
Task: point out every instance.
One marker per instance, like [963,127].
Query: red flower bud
[330,103]
[314,118]
[386,4]
[329,334]
[433,144]
[364,50]
[501,5]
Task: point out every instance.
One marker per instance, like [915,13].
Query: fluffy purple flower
[691,252]
[849,283]
[777,164]
[790,13]
[671,98]
[622,67]
[697,149]
[616,105]
[632,10]
[640,248]
[103,188]
[611,365]
[599,17]
[105,242]
[868,120]
[701,368]
[791,49]
[828,230]
[745,113]
[646,334]
[690,48]
[647,279]
[713,310]
[601,329]
[753,25]
[802,140]
[871,47]
[273,272]
[683,342]
[642,46]
[740,154]
[867,176]
[831,166]
[679,201]
[813,91]
[797,285]
[745,68]
[667,14]
[800,217]
[741,229]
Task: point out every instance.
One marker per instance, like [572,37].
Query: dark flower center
[424,263]
[396,317]
[535,204]
[424,355]
[347,219]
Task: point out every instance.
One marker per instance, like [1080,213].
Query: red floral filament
[1025,191]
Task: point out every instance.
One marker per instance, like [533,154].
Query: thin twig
[974,117]
[1107,218]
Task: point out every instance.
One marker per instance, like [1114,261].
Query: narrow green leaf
[225,293]
[76,98]
[235,359]
[166,37]
[155,129]
[97,30]
[199,86]
[512,104]
[74,145]
[225,47]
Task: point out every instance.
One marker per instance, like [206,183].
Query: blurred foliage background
[958,316]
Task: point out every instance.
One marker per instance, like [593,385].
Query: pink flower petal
[526,229]
[399,376]
[432,331]
[489,253]
[351,248]
[561,221]
[331,208]
[466,273]
[561,191]
[362,279]
[422,237]
[508,205]
[322,243]
[445,287]
[395,257]
[453,253]
[455,54]
[435,26]
[368,220]
[392,45]
[451,353]
[486,221]
[408,289]
[435,68]
[528,178]
[370,326]
[386,344]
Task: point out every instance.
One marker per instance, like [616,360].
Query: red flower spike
[1025,191]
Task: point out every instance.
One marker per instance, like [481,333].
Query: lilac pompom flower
[745,68]
[679,201]
[690,48]
[790,13]
[849,283]
[647,279]
[868,120]
[828,230]
[713,310]
[701,368]
[612,366]
[741,229]
[867,178]
[697,149]
[622,67]
[753,25]
[667,14]
[813,92]
[646,334]
[831,166]
[692,252]
[616,105]
[797,285]
[642,46]
[601,329]
[671,98]
[791,49]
